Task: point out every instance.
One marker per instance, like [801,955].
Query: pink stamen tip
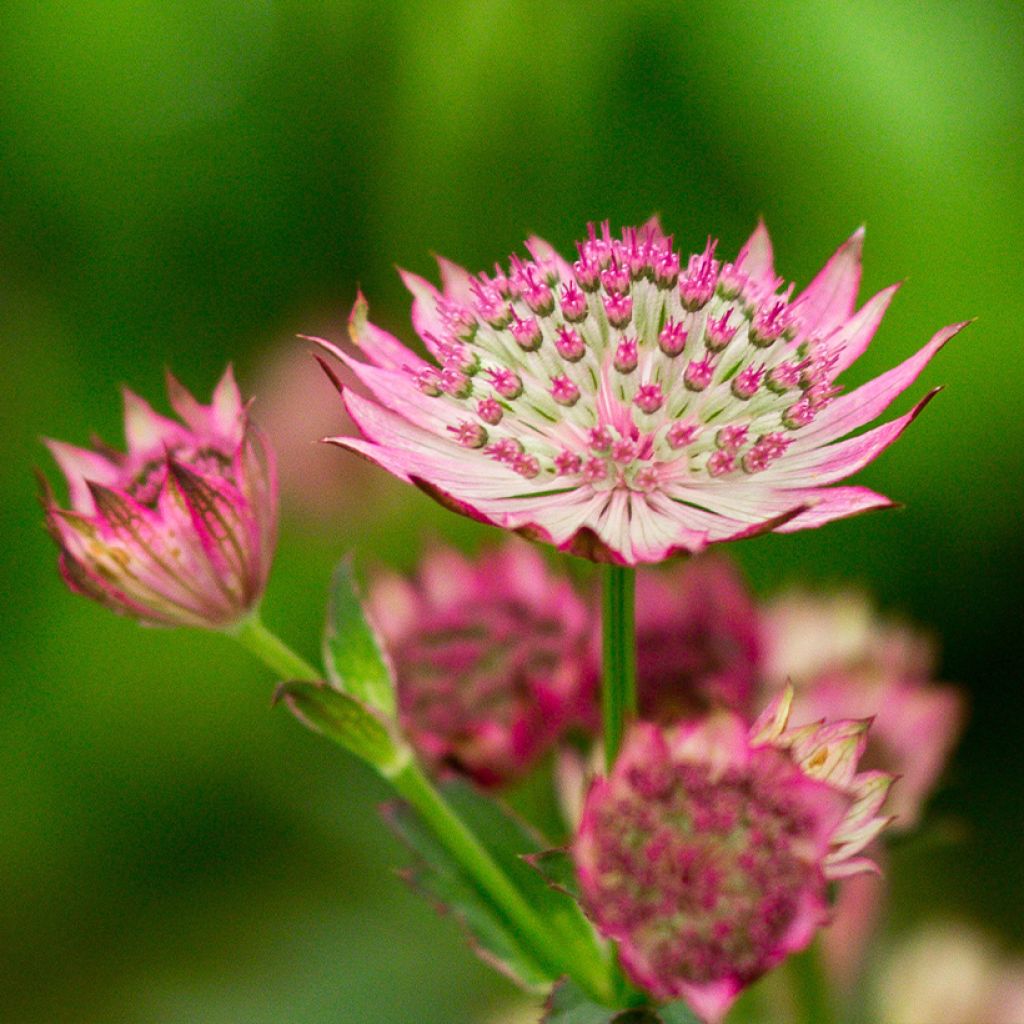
[469,435]
[569,344]
[564,391]
[456,383]
[732,437]
[746,383]
[649,398]
[721,462]
[666,269]
[594,470]
[672,338]
[697,285]
[771,321]
[587,271]
[619,309]
[798,415]
[538,297]
[698,374]
[526,466]
[615,279]
[784,377]
[626,355]
[429,381]
[506,382]
[624,450]
[573,303]
[599,439]
[718,333]
[527,333]
[646,479]
[567,463]
[506,450]
[490,411]
[680,434]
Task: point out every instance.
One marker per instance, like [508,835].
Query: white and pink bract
[626,406]
[180,530]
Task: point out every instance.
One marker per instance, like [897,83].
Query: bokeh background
[184,184]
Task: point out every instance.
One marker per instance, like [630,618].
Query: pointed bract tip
[331,375]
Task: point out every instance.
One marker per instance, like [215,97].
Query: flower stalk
[618,682]
[592,974]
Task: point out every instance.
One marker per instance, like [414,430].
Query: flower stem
[618,680]
[810,987]
[487,875]
[274,652]
[551,952]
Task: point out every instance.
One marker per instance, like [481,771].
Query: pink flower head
[487,657]
[845,661]
[707,851]
[179,530]
[741,352]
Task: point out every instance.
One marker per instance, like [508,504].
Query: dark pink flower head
[488,657]
[707,851]
[631,405]
[846,661]
[179,530]
[697,639]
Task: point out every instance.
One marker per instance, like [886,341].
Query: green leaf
[347,722]
[354,659]
[677,1013]
[568,1005]
[439,877]
[556,867]
[508,841]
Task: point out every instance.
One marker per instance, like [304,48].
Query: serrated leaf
[354,659]
[568,1005]
[350,724]
[509,842]
[556,867]
[439,877]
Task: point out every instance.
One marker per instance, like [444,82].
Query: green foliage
[508,841]
[568,1005]
[355,662]
[347,722]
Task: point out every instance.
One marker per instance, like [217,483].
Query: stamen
[564,391]
[649,398]
[619,309]
[573,303]
[672,338]
[681,433]
[506,382]
[489,410]
[698,374]
[569,344]
[469,435]
[626,355]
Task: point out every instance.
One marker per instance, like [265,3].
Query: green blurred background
[184,184]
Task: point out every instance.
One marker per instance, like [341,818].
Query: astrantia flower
[707,851]
[179,530]
[846,661]
[488,657]
[632,404]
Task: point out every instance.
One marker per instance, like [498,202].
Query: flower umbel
[180,529]
[488,658]
[707,850]
[625,406]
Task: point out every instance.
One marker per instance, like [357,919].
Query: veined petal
[381,348]
[852,338]
[80,465]
[827,504]
[146,431]
[425,317]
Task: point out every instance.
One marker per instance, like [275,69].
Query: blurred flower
[697,640]
[952,974]
[488,658]
[707,851]
[846,661]
[298,406]
[627,406]
[180,530]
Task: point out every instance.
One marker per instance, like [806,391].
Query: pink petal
[853,337]
[382,348]
[425,318]
[455,281]
[830,503]
[146,430]
[755,259]
[545,254]
[858,407]
[829,299]
[80,465]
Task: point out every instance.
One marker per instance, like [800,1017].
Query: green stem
[810,987]
[492,881]
[618,680]
[411,784]
[273,652]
